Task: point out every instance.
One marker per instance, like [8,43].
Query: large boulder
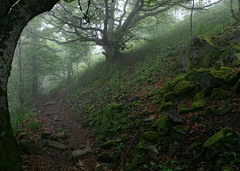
[183,88]
[163,124]
[209,78]
[81,153]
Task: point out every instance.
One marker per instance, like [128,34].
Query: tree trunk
[111,53]
[11,26]
[20,80]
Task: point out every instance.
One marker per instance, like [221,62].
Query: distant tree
[108,24]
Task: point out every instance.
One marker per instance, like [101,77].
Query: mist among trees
[129,85]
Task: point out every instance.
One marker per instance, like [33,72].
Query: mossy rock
[184,110]
[170,96]
[220,95]
[166,106]
[168,87]
[110,143]
[179,78]
[151,136]
[223,110]
[233,79]
[208,78]
[209,112]
[199,96]
[236,88]
[182,129]
[198,104]
[203,52]
[183,88]
[163,124]
[224,135]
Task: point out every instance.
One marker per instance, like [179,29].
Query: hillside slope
[178,113]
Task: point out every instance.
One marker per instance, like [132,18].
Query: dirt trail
[56,118]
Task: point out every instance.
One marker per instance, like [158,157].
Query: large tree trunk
[111,53]
[11,26]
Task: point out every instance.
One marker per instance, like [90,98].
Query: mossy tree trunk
[14,15]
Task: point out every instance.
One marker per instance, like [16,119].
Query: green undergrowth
[116,99]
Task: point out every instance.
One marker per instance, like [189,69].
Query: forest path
[56,117]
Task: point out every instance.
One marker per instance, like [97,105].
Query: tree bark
[12,23]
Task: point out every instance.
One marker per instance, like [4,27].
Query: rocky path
[61,135]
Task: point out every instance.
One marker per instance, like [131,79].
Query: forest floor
[55,118]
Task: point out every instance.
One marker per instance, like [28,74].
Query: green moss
[170,96]
[220,95]
[168,87]
[179,78]
[199,96]
[184,110]
[183,88]
[181,129]
[224,135]
[218,64]
[191,75]
[236,47]
[209,112]
[163,123]
[110,143]
[198,104]
[207,40]
[209,78]
[165,106]
[151,136]
[226,69]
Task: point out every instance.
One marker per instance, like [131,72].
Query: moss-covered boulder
[198,104]
[151,136]
[215,144]
[183,88]
[166,106]
[184,110]
[170,96]
[221,95]
[182,129]
[163,124]
[199,96]
[209,78]
[110,143]
[209,112]
[203,52]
